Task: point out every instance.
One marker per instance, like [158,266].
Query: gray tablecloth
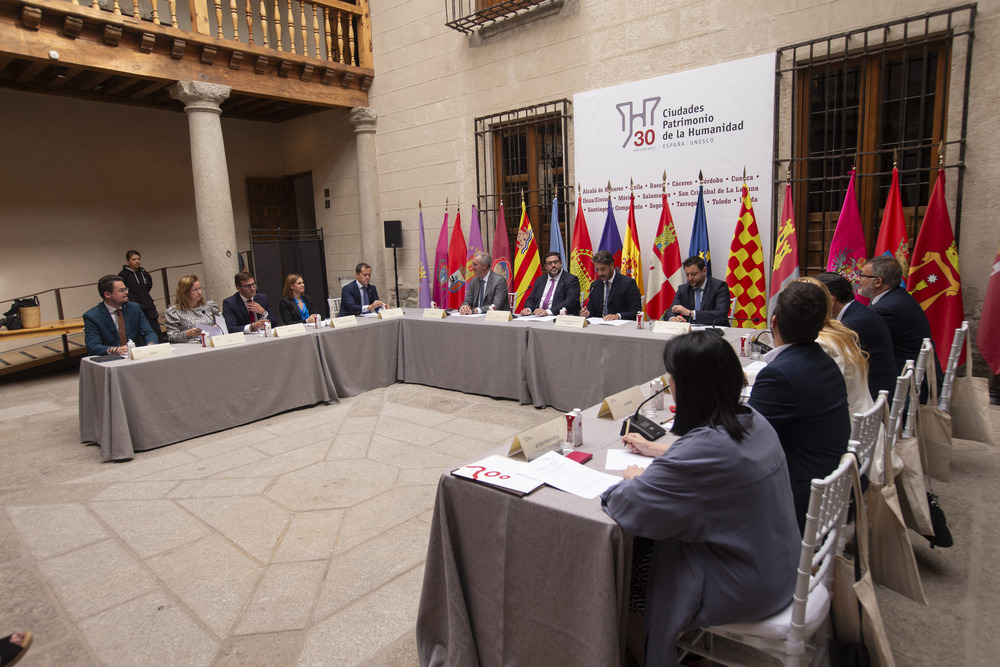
[360,358]
[129,406]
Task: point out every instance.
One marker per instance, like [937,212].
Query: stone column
[372,241]
[213,203]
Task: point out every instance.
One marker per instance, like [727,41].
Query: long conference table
[136,405]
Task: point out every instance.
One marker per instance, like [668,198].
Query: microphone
[644,426]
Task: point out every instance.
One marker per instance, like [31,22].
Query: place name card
[571,321]
[499,316]
[671,328]
[547,437]
[344,322]
[150,351]
[296,329]
[228,339]
[622,404]
[435,313]
[390,313]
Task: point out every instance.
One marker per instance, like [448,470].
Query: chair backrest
[903,383]
[949,374]
[926,350]
[732,308]
[828,502]
[866,430]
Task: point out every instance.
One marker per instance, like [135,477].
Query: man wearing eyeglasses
[108,326]
[553,291]
[246,310]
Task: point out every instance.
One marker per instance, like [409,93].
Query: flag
[631,254]
[475,244]
[847,249]
[745,270]
[527,268]
[988,337]
[610,239]
[456,265]
[581,262]
[501,251]
[441,266]
[699,235]
[934,279]
[424,292]
[666,273]
[555,234]
[892,240]
[785,267]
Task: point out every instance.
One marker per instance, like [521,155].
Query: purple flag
[425,282]
[847,249]
[610,239]
[441,266]
[475,244]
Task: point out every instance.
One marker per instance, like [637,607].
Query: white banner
[717,120]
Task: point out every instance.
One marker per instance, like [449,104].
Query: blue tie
[364,298]
[697,299]
[607,289]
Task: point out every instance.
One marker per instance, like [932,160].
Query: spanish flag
[631,255]
[527,268]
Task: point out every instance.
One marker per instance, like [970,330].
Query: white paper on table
[368,314]
[569,476]
[751,370]
[220,322]
[212,330]
[610,323]
[537,318]
[619,459]
[458,314]
[500,471]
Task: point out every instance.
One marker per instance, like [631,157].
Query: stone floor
[300,539]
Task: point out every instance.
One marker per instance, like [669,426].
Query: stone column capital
[200,95]
[363,119]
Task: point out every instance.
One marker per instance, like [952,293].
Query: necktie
[253,317]
[482,293]
[547,299]
[122,336]
[364,298]
[607,289]
[697,298]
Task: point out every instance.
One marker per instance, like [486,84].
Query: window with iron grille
[471,15]
[869,98]
[523,153]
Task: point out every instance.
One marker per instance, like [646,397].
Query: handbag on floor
[970,404]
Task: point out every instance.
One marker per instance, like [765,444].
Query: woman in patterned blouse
[188,311]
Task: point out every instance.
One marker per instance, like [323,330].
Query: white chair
[944,402]
[785,634]
[897,424]
[920,368]
[866,429]
[334,306]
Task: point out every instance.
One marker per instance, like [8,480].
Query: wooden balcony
[282,58]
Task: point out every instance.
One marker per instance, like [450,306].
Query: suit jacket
[350,298]
[908,327]
[495,295]
[100,331]
[714,302]
[624,298]
[876,341]
[803,395]
[234,309]
[289,310]
[566,294]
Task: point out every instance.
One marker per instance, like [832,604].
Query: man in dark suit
[613,296]
[872,332]
[360,296]
[555,290]
[702,299]
[802,393]
[108,326]
[246,310]
[904,318]
[487,288]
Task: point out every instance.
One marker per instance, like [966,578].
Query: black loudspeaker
[393,233]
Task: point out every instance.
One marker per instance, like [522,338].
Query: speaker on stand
[393,230]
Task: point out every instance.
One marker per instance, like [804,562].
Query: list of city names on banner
[717,120]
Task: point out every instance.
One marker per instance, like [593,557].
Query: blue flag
[610,239]
[699,235]
[555,234]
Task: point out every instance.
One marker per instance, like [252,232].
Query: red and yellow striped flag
[745,271]
[631,255]
[527,267]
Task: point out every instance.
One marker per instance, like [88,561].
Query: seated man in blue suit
[555,290]
[246,310]
[623,298]
[486,288]
[802,393]
[108,326]
[702,299]
[360,296]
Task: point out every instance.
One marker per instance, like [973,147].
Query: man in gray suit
[485,289]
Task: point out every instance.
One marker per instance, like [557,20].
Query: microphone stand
[644,426]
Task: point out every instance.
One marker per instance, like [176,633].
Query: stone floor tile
[349,446]
[49,530]
[310,536]
[252,523]
[367,519]
[207,467]
[332,484]
[150,462]
[414,415]
[264,650]
[403,431]
[136,490]
[149,630]
[27,409]
[91,579]
[449,404]
[208,488]
[284,598]
[479,429]
[286,442]
[357,424]
[420,476]
[150,527]
[68,650]
[400,653]
[276,465]
[463,447]
[211,577]
[28,604]
[214,444]
[402,455]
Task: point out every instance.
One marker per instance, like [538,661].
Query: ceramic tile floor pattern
[300,539]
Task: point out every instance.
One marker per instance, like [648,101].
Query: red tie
[122,336]
[253,318]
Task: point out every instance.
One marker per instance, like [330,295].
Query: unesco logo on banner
[638,121]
